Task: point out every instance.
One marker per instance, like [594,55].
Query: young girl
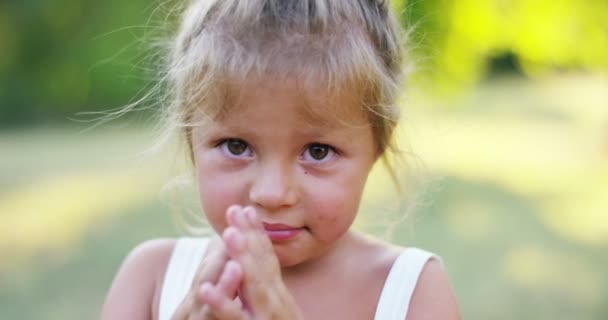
[285,106]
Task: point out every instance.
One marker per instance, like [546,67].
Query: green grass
[518,213]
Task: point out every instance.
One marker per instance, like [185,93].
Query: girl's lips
[281,232]
[277,226]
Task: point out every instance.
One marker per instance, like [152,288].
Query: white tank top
[393,303]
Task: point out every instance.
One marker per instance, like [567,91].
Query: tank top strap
[400,283]
[185,259]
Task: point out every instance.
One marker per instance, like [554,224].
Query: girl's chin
[287,258]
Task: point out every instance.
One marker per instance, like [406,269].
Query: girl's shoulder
[432,296]
[135,290]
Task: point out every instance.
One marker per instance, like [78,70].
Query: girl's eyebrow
[312,129]
[332,118]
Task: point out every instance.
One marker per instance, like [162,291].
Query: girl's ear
[378,153]
[377,156]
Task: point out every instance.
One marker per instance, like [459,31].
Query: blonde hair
[352,47]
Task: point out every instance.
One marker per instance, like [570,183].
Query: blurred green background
[507,111]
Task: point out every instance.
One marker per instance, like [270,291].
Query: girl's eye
[235,147]
[318,152]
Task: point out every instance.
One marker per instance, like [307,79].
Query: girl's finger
[256,241]
[218,305]
[247,243]
[235,241]
[261,271]
[247,221]
[230,280]
[236,217]
[212,264]
[252,218]
[252,249]
[261,246]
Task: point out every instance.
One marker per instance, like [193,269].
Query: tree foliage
[64,56]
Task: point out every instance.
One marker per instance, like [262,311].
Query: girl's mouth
[278,232]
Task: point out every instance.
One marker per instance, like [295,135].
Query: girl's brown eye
[318,151]
[236,147]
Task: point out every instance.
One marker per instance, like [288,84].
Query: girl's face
[302,171]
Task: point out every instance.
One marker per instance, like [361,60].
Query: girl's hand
[263,292]
[214,288]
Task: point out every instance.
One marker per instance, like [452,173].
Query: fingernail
[232,212]
[235,238]
[252,216]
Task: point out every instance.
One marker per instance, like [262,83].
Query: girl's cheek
[214,212]
[337,203]
[217,192]
[334,213]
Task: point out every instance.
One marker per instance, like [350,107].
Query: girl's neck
[354,268]
[334,258]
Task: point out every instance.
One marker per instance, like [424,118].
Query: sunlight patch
[583,216]
[547,272]
[56,212]
[471,220]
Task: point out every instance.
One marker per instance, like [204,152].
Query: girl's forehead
[316,103]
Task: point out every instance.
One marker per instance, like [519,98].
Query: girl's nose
[273,188]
